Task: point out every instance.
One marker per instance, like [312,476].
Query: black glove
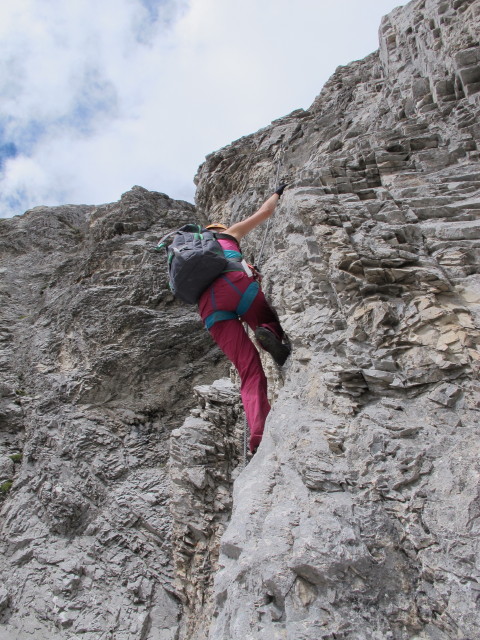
[280,189]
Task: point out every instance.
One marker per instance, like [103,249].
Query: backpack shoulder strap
[189,228]
[161,243]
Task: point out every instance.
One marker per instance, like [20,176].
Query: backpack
[195,259]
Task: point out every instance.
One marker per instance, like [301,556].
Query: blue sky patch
[29,135]
[7,150]
[15,201]
[152,6]
[163,12]
[95,97]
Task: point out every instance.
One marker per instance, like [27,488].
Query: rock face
[98,363]
[204,459]
[359,516]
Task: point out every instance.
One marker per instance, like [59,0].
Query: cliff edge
[127,511]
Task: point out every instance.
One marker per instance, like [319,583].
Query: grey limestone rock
[97,373]
[127,512]
[357,518]
[204,460]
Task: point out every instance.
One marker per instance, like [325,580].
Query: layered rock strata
[98,365]
[205,456]
[358,517]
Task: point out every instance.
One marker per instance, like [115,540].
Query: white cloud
[99,96]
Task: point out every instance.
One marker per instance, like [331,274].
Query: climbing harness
[243,306]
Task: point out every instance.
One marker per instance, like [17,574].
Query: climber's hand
[280,189]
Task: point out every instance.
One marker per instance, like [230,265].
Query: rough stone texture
[359,516]
[97,367]
[204,459]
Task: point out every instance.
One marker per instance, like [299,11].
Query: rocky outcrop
[98,364]
[358,517]
[205,457]
[121,438]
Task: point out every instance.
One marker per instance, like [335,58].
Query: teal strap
[218,316]
[244,305]
[247,298]
[230,254]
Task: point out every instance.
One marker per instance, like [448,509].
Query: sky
[102,95]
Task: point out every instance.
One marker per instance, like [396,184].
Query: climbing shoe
[275,347]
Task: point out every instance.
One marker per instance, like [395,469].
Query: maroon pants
[233,340]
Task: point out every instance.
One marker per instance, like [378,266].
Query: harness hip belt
[243,306]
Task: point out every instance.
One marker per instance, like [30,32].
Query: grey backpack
[195,259]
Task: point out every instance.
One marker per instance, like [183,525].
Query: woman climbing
[233,297]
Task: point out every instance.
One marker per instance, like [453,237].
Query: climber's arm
[240,229]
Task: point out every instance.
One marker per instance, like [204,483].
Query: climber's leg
[266,326]
[261,314]
[232,339]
